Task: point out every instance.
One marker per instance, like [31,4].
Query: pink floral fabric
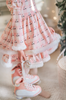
[26,29]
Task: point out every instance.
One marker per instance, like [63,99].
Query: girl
[26,37]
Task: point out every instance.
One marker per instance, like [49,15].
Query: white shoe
[23,89]
[17,73]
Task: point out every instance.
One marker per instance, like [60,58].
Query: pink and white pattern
[26,31]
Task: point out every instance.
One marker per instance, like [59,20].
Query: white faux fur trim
[18,47]
[56,46]
[36,65]
[9,64]
[31,52]
[9,52]
[52,50]
[58,36]
[46,59]
[14,51]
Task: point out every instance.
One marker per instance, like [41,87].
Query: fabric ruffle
[26,31]
[51,50]
[35,60]
[28,38]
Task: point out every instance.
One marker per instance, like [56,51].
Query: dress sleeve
[9,5]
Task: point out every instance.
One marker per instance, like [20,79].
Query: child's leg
[43,93]
[33,71]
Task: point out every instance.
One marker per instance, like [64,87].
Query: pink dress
[26,31]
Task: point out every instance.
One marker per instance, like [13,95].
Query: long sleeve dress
[26,31]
